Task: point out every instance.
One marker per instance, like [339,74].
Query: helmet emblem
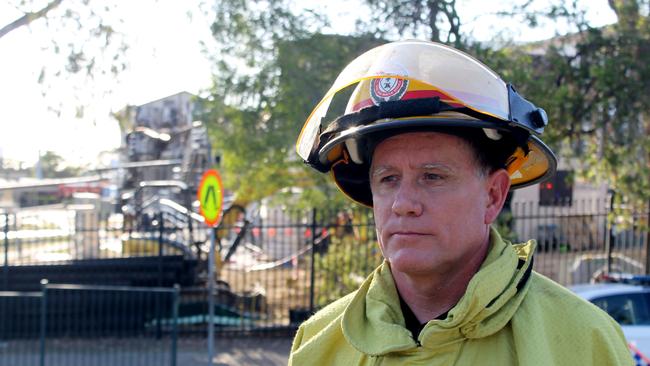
[387,89]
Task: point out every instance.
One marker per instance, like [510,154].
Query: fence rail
[89,325]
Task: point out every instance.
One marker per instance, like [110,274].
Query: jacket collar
[373,322]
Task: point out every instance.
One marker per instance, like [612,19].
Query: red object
[638,353]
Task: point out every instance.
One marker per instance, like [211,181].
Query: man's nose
[407,201]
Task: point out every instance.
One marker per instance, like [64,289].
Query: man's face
[432,205]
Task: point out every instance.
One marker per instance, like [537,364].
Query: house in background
[165,150]
[165,131]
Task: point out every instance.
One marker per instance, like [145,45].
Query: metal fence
[56,236]
[86,248]
[284,280]
[89,325]
[290,264]
[579,240]
[278,266]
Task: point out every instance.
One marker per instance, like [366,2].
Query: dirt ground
[191,351]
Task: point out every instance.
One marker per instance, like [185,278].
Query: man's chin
[412,261]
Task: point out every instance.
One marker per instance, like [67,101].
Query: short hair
[491,155]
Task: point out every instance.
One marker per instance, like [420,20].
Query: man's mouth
[407,233]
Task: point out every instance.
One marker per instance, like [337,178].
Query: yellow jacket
[508,316]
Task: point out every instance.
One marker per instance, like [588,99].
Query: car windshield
[627,309]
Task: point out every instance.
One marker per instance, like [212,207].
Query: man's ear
[498,184]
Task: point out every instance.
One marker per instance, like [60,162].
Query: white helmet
[417,86]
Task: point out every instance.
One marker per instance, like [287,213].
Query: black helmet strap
[523,114]
[394,109]
[388,109]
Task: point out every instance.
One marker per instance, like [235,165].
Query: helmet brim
[353,179]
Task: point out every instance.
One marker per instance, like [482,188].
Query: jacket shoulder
[551,294]
[566,327]
[557,302]
[319,335]
[326,316]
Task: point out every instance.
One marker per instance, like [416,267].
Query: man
[433,140]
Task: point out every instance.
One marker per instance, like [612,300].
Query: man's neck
[432,294]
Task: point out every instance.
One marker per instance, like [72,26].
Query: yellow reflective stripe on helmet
[515,161]
[419,85]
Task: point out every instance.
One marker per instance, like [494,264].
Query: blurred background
[112,110]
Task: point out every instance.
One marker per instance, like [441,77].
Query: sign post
[210,195]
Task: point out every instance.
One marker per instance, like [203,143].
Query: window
[558,191]
[627,309]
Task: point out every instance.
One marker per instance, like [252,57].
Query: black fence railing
[275,267]
[62,235]
[579,240]
[83,248]
[89,325]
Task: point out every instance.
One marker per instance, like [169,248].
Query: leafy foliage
[436,20]
[52,166]
[271,74]
[84,44]
[592,83]
[351,254]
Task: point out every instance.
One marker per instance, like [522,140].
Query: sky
[164,58]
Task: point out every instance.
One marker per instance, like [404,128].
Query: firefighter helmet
[417,86]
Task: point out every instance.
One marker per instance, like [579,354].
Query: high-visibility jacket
[509,315]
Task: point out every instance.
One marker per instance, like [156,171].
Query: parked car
[627,301]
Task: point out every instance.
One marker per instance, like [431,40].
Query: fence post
[647,242]
[5,279]
[161,230]
[313,257]
[610,224]
[161,233]
[43,321]
[176,303]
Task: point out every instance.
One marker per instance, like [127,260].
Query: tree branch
[28,18]
[434,8]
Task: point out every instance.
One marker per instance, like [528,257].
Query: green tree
[239,110]
[81,42]
[308,67]
[52,165]
[272,69]
[29,16]
[593,83]
[436,20]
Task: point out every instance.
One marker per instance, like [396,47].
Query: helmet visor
[456,77]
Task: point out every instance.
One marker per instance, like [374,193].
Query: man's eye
[432,176]
[388,179]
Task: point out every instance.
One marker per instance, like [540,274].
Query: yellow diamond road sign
[210,195]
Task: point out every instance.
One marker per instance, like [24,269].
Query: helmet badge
[387,89]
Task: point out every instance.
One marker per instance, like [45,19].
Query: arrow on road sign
[210,195]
